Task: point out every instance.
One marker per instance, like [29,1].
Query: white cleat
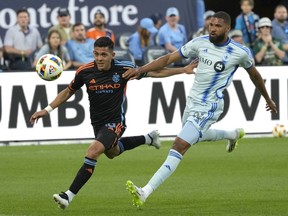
[232,143]
[137,193]
[62,200]
[155,141]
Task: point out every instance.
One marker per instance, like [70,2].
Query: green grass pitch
[252,180]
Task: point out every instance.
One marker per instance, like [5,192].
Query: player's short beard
[217,39]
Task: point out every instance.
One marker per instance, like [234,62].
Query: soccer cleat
[62,200]
[155,141]
[137,193]
[232,143]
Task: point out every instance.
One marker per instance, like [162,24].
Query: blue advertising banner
[121,15]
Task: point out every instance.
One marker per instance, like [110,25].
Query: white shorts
[202,115]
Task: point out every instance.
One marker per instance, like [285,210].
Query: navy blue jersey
[106,91]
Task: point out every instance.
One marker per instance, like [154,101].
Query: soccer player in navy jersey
[106,91]
[219,58]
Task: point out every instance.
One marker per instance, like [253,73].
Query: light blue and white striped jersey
[217,65]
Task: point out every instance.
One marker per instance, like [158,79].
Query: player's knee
[110,156]
[180,145]
[112,153]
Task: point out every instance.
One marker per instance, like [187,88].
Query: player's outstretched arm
[259,84]
[155,65]
[63,96]
[165,72]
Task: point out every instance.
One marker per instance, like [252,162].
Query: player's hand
[34,118]
[188,69]
[271,106]
[131,73]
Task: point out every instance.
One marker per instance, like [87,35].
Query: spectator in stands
[267,49]
[99,29]
[172,35]
[157,20]
[141,39]
[280,28]
[64,25]
[21,41]
[80,47]
[247,22]
[204,30]
[198,10]
[237,36]
[55,47]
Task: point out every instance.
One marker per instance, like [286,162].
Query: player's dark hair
[223,15]
[104,42]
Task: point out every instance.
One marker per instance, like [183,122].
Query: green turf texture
[252,180]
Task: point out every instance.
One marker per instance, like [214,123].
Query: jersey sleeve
[76,83]
[247,57]
[189,49]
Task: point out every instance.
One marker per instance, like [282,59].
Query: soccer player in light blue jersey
[219,58]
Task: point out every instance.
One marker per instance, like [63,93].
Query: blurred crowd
[154,36]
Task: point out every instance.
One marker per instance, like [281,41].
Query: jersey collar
[224,44]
